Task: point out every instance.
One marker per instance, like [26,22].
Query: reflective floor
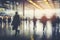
[27,32]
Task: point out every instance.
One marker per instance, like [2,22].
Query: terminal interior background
[36,8]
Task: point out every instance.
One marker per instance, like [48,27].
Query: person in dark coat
[16,22]
[53,22]
[57,27]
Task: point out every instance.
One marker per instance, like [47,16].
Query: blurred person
[29,21]
[4,25]
[34,26]
[9,20]
[16,22]
[34,22]
[43,20]
[0,21]
[9,23]
[4,20]
[0,26]
[53,22]
[26,22]
[57,27]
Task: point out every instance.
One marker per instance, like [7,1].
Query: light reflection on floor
[39,29]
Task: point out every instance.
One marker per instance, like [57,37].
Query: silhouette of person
[0,26]
[57,27]
[29,20]
[34,22]
[9,22]
[26,20]
[4,21]
[0,21]
[58,21]
[4,24]
[43,21]
[9,19]
[34,26]
[16,22]
[53,21]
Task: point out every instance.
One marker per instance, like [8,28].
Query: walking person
[57,27]
[34,26]
[0,26]
[34,22]
[16,22]
[43,20]
[53,22]
[0,21]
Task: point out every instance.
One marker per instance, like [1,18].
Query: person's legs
[54,31]
[44,26]
[17,31]
[34,26]
[57,33]
[34,31]
[44,32]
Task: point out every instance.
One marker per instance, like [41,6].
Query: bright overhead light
[35,4]
[39,0]
[40,7]
[47,3]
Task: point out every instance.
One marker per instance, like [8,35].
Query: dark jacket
[53,20]
[16,21]
[57,20]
